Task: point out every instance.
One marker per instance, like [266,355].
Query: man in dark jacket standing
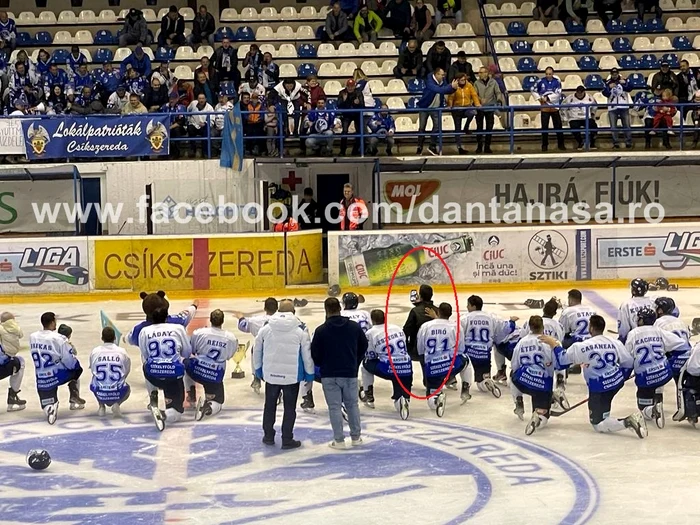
[225,61]
[338,348]
[351,99]
[417,317]
[172,28]
[203,27]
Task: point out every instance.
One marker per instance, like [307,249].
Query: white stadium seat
[368,49]
[243,51]
[667,5]
[471,47]
[326,50]
[107,16]
[675,24]
[509,9]
[160,15]
[63,38]
[388,49]
[602,45]
[556,27]
[594,25]
[476,63]
[444,31]
[572,82]
[546,62]
[332,87]
[183,73]
[692,59]
[396,86]
[121,54]
[264,33]
[568,64]
[696,42]
[347,69]
[371,68]
[497,29]
[203,51]
[562,46]
[376,87]
[608,62]
[187,13]
[395,103]
[328,69]
[67,17]
[185,53]
[248,13]
[288,71]
[268,13]
[347,49]
[512,84]
[268,48]
[305,33]
[526,8]
[642,43]
[87,54]
[87,17]
[285,33]
[507,65]
[685,5]
[536,28]
[662,43]
[229,15]
[83,37]
[463,28]
[503,47]
[406,125]
[540,46]
[452,46]
[522,121]
[286,51]
[45,18]
[150,15]
[288,13]
[308,12]
[491,10]
[387,67]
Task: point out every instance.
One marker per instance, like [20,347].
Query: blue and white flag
[232,140]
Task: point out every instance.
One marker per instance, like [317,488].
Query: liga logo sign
[401,474]
[32,267]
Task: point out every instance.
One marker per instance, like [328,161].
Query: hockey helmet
[38,459]
[350,300]
[665,305]
[639,287]
[647,316]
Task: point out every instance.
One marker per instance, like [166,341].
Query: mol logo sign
[402,192]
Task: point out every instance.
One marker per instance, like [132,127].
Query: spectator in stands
[118,100]
[311,92]
[463,101]
[134,106]
[56,100]
[422,23]
[253,123]
[135,30]
[8,32]
[289,93]
[491,99]
[76,58]
[382,127]
[209,71]
[545,10]
[87,104]
[447,8]
[438,57]
[410,60]
[687,85]
[224,106]
[362,85]
[665,79]
[106,81]
[433,98]
[164,74]
[54,77]
[172,28]
[138,60]
[645,108]
[617,90]
[156,96]
[548,91]
[203,27]
[252,85]
[349,7]
[461,66]
[397,17]
[178,122]
[270,72]
[577,116]
[22,84]
[225,60]
[184,92]
[576,10]
[318,128]
[378,6]
[81,77]
[351,99]
[603,7]
[665,111]
[136,84]
[199,123]
[272,130]
[367,25]
[253,60]
[43,62]
[204,86]
[30,68]
[336,27]
[696,118]
[647,6]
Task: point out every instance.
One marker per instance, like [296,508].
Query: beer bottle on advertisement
[376,266]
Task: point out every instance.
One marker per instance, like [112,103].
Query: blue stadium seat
[636,81]
[629,62]
[103,55]
[681,43]
[529,81]
[417,85]
[622,45]
[320,30]
[60,56]
[245,34]
[307,51]
[521,47]
[517,29]
[574,28]
[634,25]
[412,103]
[594,81]
[24,39]
[306,69]
[641,98]
[377,103]
[588,63]
[224,32]
[165,54]
[43,38]
[648,61]
[672,60]
[655,25]
[331,103]
[581,45]
[615,26]
[104,37]
[527,64]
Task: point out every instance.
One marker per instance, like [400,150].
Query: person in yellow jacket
[367,25]
[462,102]
[10,334]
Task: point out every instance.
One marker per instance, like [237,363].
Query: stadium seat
[371,68]
[507,64]
[509,9]
[104,37]
[288,13]
[629,62]
[533,28]
[229,15]
[83,37]
[491,10]
[285,33]
[568,64]
[622,45]
[224,32]
[326,50]
[636,81]
[289,71]
[46,18]
[308,12]
[62,38]
[347,69]
[692,59]
[332,87]
[165,54]
[527,64]
[268,13]
[406,125]
[416,85]
[572,82]
[43,38]
[512,84]
[395,103]
[150,15]
[245,34]
[594,25]
[526,8]
[602,45]
[498,29]
[648,61]
[307,51]
[635,25]
[642,43]
[556,27]
[264,33]
[696,42]
[377,86]
[203,51]
[388,49]
[529,81]
[675,24]
[367,49]
[581,45]
[328,69]
[185,53]
[463,29]
[692,23]
[27,18]
[452,46]
[684,5]
[607,62]
[522,121]
[521,47]
[67,18]
[347,49]
[655,25]
[546,62]
[471,47]
[60,56]
[681,43]
[476,63]
[249,13]
[387,67]
[672,60]
[268,48]
[541,46]
[23,39]
[588,63]
[444,31]
[286,51]
[122,14]
[412,102]
[594,81]
[574,28]
[502,47]
[121,54]
[615,26]
[87,17]
[103,55]
[305,33]
[183,73]
[562,46]
[517,100]
[667,5]
[662,43]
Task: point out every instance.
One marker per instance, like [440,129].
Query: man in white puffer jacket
[282,358]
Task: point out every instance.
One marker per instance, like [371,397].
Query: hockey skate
[492,387]
[657,414]
[255,385]
[441,401]
[533,424]
[152,400]
[637,423]
[369,397]
[51,413]
[465,395]
[14,403]
[76,402]
[101,410]
[362,394]
[307,403]
[116,410]
[452,384]
[158,417]
[559,397]
[501,378]
[519,408]
[203,408]
[401,406]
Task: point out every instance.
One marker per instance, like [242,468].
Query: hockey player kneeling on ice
[606,366]
[211,348]
[377,363]
[437,343]
[627,313]
[252,325]
[690,381]
[13,367]
[55,365]
[533,374]
[649,345]
[110,366]
[574,319]
[163,347]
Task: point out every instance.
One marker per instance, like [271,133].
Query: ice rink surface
[475,465]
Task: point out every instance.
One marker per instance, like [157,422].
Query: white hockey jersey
[379,349]
[693,365]
[648,346]
[163,347]
[533,363]
[679,356]
[478,330]
[211,348]
[436,341]
[252,325]
[575,320]
[53,356]
[627,314]
[183,318]
[552,328]
[110,365]
[361,317]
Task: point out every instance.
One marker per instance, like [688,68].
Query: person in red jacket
[288,225]
[352,217]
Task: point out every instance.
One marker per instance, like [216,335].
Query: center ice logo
[107,471]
